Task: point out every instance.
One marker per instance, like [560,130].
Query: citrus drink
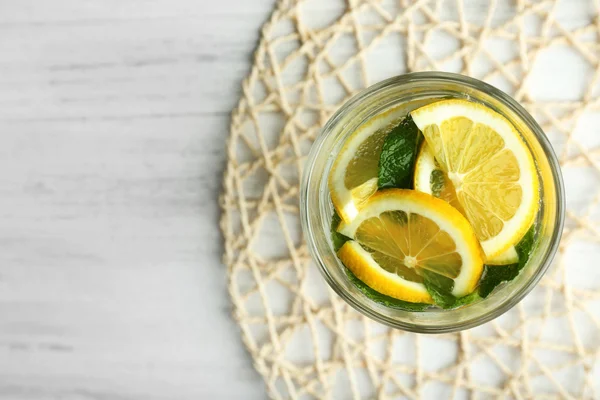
[430,200]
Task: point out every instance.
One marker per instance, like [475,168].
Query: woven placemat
[304,340]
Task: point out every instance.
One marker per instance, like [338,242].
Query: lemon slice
[403,238]
[430,179]
[354,175]
[489,165]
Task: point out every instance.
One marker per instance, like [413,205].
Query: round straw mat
[304,340]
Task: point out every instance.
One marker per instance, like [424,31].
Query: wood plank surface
[113,121]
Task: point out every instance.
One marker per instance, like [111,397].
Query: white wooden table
[113,121]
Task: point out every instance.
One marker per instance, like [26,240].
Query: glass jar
[411,91]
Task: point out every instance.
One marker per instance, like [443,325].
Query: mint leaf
[397,159]
[440,297]
[337,238]
[468,299]
[440,289]
[382,298]
[526,246]
[446,300]
[437,181]
[494,275]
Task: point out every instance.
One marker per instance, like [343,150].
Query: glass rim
[437,78]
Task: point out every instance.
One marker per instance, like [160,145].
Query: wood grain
[113,120]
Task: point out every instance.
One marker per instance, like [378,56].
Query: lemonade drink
[430,201]
[438,199]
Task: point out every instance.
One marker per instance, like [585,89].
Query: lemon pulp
[406,238]
[489,166]
[429,178]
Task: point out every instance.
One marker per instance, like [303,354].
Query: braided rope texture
[313,55]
